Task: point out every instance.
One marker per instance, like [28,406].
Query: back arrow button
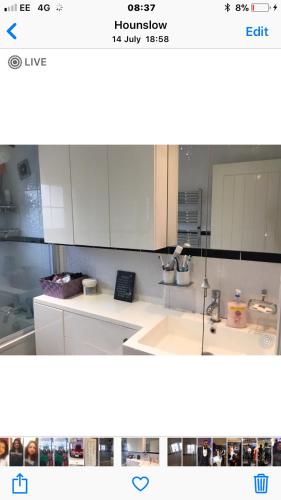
[10,31]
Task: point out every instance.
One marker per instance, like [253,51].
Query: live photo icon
[19,485]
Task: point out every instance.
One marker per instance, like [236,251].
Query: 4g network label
[141,27]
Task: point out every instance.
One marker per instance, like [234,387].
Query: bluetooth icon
[227,7]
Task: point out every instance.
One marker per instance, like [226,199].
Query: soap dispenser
[237,312]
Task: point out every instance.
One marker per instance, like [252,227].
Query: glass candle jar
[89,286]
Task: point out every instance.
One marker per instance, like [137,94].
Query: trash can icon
[261,483]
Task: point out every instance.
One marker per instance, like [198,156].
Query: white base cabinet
[49,337]
[61,332]
[84,335]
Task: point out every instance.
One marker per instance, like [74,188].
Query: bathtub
[17,336]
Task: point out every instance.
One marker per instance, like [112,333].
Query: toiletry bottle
[237,312]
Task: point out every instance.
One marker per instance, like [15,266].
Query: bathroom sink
[183,336]
[175,336]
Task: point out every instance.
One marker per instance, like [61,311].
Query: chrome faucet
[214,309]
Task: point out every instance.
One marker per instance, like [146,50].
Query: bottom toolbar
[102,483]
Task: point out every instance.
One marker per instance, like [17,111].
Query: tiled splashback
[224,274]
[103,265]
[227,275]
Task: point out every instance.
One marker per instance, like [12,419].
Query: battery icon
[260,7]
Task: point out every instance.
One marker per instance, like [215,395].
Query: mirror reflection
[230,197]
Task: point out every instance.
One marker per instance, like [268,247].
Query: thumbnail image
[76,451]
[61,452]
[46,452]
[219,452]
[30,452]
[234,455]
[204,452]
[190,452]
[140,452]
[106,453]
[4,452]
[250,452]
[16,452]
[91,452]
[174,452]
[277,452]
[265,446]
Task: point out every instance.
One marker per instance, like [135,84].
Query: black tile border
[222,254]
[227,254]
[261,257]
[196,252]
[23,239]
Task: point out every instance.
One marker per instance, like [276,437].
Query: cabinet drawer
[103,336]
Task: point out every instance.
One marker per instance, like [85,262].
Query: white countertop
[178,329]
[134,315]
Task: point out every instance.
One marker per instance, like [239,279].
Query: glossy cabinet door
[84,335]
[90,197]
[56,194]
[138,196]
[49,335]
[109,196]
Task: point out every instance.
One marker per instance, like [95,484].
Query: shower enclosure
[24,257]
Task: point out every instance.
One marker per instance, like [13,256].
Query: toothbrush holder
[168,277]
[183,278]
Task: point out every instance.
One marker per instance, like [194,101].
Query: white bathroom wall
[224,274]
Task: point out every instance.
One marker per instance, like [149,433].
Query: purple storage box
[62,290]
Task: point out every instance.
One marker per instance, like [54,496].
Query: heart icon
[140,483]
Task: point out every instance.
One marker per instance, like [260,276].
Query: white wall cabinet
[89,179]
[49,335]
[61,332]
[110,196]
[56,194]
[138,196]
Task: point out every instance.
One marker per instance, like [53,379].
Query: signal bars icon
[11,8]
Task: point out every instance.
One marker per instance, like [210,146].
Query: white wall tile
[224,274]
[103,265]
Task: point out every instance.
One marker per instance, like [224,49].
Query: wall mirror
[230,198]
